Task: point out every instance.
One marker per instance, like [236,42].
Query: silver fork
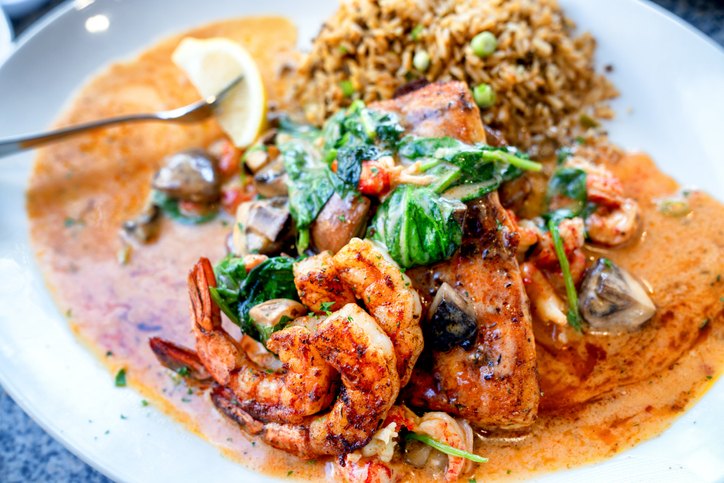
[198,111]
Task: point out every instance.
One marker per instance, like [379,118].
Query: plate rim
[62,9]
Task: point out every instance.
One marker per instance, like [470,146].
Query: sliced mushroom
[262,152]
[190,175]
[144,227]
[612,301]
[416,453]
[271,180]
[339,221]
[451,321]
[262,226]
[271,314]
[256,159]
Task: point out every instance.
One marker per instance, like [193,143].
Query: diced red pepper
[191,208]
[229,157]
[374,180]
[233,196]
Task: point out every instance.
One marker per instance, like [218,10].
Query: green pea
[347,88]
[484,96]
[421,61]
[484,44]
[416,33]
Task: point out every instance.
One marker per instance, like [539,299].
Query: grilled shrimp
[572,237]
[317,283]
[614,226]
[455,432]
[351,341]
[307,386]
[616,218]
[388,297]
[365,470]
[177,357]
[544,302]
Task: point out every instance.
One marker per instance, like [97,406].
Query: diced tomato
[374,180]
[233,196]
[190,208]
[334,166]
[228,155]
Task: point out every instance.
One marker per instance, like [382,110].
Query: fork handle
[15,145]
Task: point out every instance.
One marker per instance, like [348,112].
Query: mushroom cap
[611,301]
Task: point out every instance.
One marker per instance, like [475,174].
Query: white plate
[6,34]
[670,75]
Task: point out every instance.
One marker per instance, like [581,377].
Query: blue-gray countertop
[28,454]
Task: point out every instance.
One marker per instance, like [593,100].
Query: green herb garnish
[444,448]
[326,306]
[121,378]
[573,316]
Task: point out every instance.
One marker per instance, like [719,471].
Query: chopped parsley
[121,378]
[326,306]
[183,371]
[444,448]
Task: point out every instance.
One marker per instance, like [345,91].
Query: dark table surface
[28,454]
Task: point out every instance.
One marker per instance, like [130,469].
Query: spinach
[482,168]
[418,226]
[238,292]
[469,157]
[359,134]
[230,274]
[169,206]
[563,154]
[350,136]
[311,182]
[272,279]
[567,189]
[573,316]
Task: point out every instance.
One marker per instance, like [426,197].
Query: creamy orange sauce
[82,190]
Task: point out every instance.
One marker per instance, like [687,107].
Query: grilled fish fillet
[494,384]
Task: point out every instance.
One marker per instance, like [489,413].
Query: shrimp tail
[218,351]
[177,357]
[204,311]
[228,405]
[287,437]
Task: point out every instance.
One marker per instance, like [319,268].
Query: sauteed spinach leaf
[359,134]
[311,181]
[483,168]
[418,226]
[567,191]
[238,292]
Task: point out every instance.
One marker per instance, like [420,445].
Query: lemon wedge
[211,65]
